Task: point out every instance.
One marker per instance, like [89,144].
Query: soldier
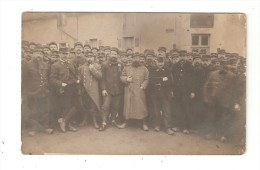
[100,58]
[129,51]
[111,88]
[162,51]
[142,59]
[135,78]
[36,91]
[90,75]
[220,95]
[32,46]
[79,58]
[65,79]
[199,78]
[107,52]
[53,46]
[87,48]
[47,53]
[183,94]
[161,83]
[149,64]
[94,51]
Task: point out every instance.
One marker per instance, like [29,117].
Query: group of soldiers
[171,91]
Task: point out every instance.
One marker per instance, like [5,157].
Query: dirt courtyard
[129,141]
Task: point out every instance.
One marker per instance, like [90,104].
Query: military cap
[114,49]
[55,53]
[136,55]
[183,53]
[150,52]
[94,48]
[205,57]
[123,54]
[64,50]
[53,43]
[214,55]
[175,55]
[28,50]
[24,42]
[89,54]
[101,47]
[142,56]
[32,43]
[234,54]
[38,49]
[129,49]
[78,44]
[45,46]
[106,48]
[145,51]
[215,60]
[86,45]
[196,56]
[162,49]
[101,53]
[168,54]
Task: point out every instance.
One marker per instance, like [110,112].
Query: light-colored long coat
[90,79]
[134,97]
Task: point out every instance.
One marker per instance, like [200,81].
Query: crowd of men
[171,91]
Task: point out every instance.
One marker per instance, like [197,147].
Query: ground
[131,140]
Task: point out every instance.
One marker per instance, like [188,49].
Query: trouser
[39,112]
[150,107]
[69,102]
[111,104]
[54,109]
[182,110]
[89,107]
[161,104]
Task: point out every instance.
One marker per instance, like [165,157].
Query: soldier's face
[160,64]
[175,60]
[197,61]
[142,60]
[90,59]
[32,47]
[107,52]
[87,49]
[94,51]
[47,51]
[53,47]
[78,49]
[64,56]
[129,52]
[162,53]
[101,58]
[38,55]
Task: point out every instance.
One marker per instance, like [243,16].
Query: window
[93,43]
[195,40]
[200,39]
[201,20]
[136,42]
[204,40]
[200,43]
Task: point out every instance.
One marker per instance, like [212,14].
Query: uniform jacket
[111,78]
[220,88]
[62,72]
[35,78]
[134,97]
[156,83]
[90,79]
[182,77]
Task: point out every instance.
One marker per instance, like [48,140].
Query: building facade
[140,31]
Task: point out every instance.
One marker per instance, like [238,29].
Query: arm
[146,78]
[54,77]
[96,72]
[102,83]
[124,76]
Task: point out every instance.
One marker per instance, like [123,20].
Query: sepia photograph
[150,83]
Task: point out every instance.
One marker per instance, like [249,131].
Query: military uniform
[111,82]
[64,72]
[182,78]
[161,95]
[35,88]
